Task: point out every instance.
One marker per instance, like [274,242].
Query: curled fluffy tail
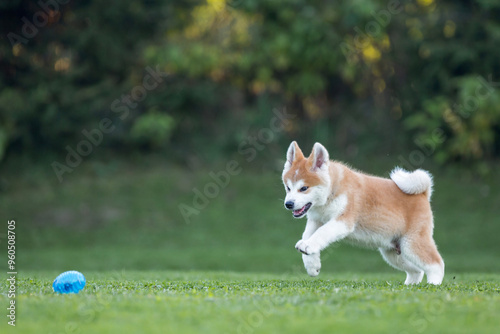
[416,182]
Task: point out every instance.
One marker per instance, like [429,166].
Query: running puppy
[393,215]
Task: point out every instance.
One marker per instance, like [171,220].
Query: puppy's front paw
[306,247]
[312,263]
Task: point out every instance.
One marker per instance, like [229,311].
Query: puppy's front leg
[330,232]
[312,262]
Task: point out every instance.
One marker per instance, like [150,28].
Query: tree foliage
[363,76]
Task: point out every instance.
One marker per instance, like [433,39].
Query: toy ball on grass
[69,282]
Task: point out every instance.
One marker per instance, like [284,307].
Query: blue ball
[69,282]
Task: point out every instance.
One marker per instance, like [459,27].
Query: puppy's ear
[319,157]
[294,153]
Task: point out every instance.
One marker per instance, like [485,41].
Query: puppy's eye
[287,189]
[303,189]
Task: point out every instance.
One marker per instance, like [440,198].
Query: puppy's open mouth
[303,211]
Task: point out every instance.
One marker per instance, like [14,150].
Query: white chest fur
[330,211]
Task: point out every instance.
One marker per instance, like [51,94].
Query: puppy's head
[306,180]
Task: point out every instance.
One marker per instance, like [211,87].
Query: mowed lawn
[231,268]
[117,215]
[224,302]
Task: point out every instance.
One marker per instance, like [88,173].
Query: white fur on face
[316,195]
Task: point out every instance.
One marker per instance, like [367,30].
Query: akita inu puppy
[393,215]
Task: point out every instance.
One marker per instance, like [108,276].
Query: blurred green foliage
[152,129]
[364,76]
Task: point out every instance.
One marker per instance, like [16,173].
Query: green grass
[216,302]
[233,268]
[126,216]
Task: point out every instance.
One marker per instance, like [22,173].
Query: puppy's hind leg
[394,258]
[423,253]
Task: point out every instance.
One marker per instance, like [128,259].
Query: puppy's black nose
[289,205]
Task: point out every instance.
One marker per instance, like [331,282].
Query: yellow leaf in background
[192,32]
[425,3]
[62,64]
[416,34]
[455,122]
[371,54]
[411,22]
[218,5]
[449,29]
[217,74]
[257,87]
[386,43]
[311,108]
[16,49]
